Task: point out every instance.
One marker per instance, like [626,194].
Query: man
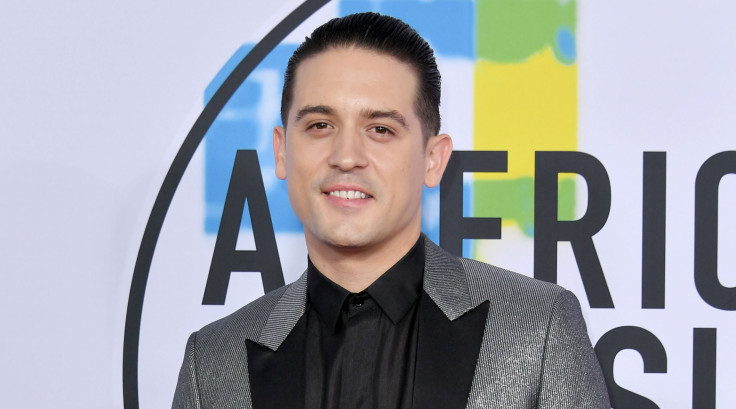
[383,318]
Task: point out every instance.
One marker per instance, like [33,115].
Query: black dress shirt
[361,348]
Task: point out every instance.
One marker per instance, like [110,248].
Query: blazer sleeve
[571,374]
[187,394]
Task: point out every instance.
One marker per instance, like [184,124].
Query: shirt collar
[395,291]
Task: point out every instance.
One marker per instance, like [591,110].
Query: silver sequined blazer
[487,338]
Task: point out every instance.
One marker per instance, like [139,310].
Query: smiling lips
[349,194]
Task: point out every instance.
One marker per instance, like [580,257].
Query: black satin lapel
[447,353]
[277,378]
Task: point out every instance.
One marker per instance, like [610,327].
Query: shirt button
[358,301]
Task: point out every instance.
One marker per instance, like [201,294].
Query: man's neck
[354,269]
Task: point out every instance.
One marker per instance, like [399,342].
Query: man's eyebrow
[313,109]
[393,114]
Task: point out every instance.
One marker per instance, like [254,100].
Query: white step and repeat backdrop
[602,134]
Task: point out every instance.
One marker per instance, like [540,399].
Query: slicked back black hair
[383,34]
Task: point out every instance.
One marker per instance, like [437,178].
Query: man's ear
[279,151]
[437,154]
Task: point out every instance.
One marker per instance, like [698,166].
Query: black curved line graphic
[171,182]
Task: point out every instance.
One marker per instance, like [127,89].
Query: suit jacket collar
[285,314]
[451,328]
[444,281]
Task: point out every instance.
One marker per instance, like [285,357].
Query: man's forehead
[390,84]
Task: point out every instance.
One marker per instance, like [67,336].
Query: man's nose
[348,151]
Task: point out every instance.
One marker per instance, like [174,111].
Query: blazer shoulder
[537,335]
[459,284]
[215,363]
[487,282]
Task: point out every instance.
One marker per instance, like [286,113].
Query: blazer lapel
[277,378]
[276,358]
[451,326]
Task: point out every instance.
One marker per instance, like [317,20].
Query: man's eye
[319,125]
[381,130]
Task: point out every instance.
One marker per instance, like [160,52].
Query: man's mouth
[349,194]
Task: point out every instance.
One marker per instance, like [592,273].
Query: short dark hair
[384,34]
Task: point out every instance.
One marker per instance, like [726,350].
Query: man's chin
[347,241]
[352,243]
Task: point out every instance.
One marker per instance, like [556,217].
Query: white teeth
[348,194]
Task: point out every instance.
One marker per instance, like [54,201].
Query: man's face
[353,153]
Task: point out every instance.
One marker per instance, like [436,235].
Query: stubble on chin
[344,238]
